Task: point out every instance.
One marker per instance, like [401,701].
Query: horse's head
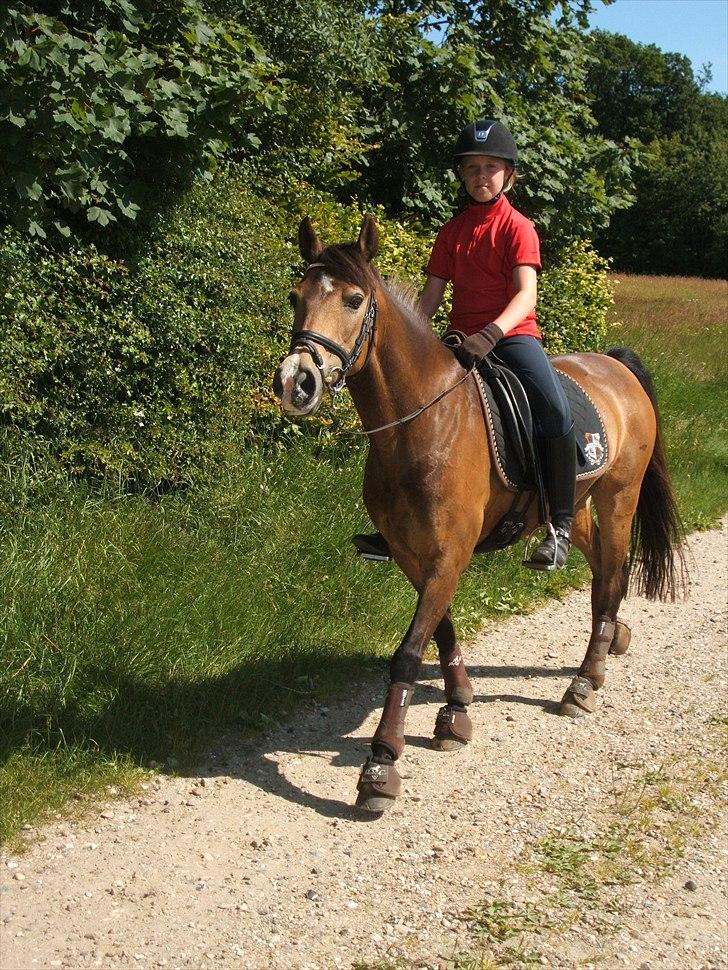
[334,314]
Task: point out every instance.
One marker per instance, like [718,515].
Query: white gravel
[260,861]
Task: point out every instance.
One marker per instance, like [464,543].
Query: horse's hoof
[579,699]
[447,744]
[453,729]
[369,800]
[621,639]
[571,710]
[378,786]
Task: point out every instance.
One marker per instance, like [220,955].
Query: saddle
[509,423]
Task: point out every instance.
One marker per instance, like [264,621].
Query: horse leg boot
[579,698]
[379,783]
[560,482]
[453,727]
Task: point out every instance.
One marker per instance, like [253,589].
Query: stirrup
[372,547]
[554,534]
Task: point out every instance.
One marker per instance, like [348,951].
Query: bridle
[308,339]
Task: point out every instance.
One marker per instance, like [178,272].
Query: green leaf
[102,216]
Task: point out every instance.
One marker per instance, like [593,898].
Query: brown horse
[431,488]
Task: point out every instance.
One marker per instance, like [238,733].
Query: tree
[99,97]
[679,222]
[450,61]
[639,91]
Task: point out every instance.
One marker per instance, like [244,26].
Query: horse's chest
[405,479]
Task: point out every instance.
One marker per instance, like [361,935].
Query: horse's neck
[407,367]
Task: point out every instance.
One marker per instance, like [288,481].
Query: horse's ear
[308,242]
[368,241]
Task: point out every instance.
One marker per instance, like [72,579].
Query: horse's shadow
[257,751]
[261,761]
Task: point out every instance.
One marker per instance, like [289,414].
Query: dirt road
[259,860]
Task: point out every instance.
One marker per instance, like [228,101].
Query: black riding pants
[526,358]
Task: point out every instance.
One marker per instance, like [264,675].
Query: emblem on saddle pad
[593,447]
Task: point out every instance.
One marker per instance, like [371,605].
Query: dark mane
[345,262]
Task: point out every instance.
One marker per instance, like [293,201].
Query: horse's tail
[657,541]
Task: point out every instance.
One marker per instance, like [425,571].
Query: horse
[432,491]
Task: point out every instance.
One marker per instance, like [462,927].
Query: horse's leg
[379,783]
[606,550]
[453,727]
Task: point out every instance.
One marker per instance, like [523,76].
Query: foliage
[679,222]
[98,97]
[327,54]
[106,102]
[639,91]
[146,368]
[509,59]
[574,297]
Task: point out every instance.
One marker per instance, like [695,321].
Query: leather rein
[308,339]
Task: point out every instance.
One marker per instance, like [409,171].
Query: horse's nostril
[305,385]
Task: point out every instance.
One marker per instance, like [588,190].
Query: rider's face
[484,176]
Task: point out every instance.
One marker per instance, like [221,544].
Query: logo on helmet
[481,134]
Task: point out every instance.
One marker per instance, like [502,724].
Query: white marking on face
[289,368]
[326,283]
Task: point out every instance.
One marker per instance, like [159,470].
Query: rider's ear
[308,242]
[368,241]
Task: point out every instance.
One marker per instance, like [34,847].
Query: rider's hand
[478,345]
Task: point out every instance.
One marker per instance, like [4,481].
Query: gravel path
[259,860]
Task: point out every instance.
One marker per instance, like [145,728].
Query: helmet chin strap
[488,201]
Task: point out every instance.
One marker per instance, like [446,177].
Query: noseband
[308,339]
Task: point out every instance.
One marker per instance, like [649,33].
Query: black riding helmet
[486,136]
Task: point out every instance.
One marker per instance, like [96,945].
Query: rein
[419,411]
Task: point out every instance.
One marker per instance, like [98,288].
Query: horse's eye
[354,302]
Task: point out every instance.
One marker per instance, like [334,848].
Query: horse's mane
[345,262]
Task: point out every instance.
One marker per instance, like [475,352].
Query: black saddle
[510,427]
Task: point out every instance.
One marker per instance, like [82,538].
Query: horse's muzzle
[298,385]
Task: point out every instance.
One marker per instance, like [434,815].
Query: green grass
[680,328]
[132,632]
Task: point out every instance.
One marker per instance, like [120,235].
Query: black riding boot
[560,483]
[374,547]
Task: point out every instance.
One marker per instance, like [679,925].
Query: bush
[573,300]
[146,368]
[155,368]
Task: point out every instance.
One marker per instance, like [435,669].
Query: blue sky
[696,28]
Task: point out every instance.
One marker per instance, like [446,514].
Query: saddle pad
[592,451]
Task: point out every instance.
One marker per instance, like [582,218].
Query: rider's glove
[478,345]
